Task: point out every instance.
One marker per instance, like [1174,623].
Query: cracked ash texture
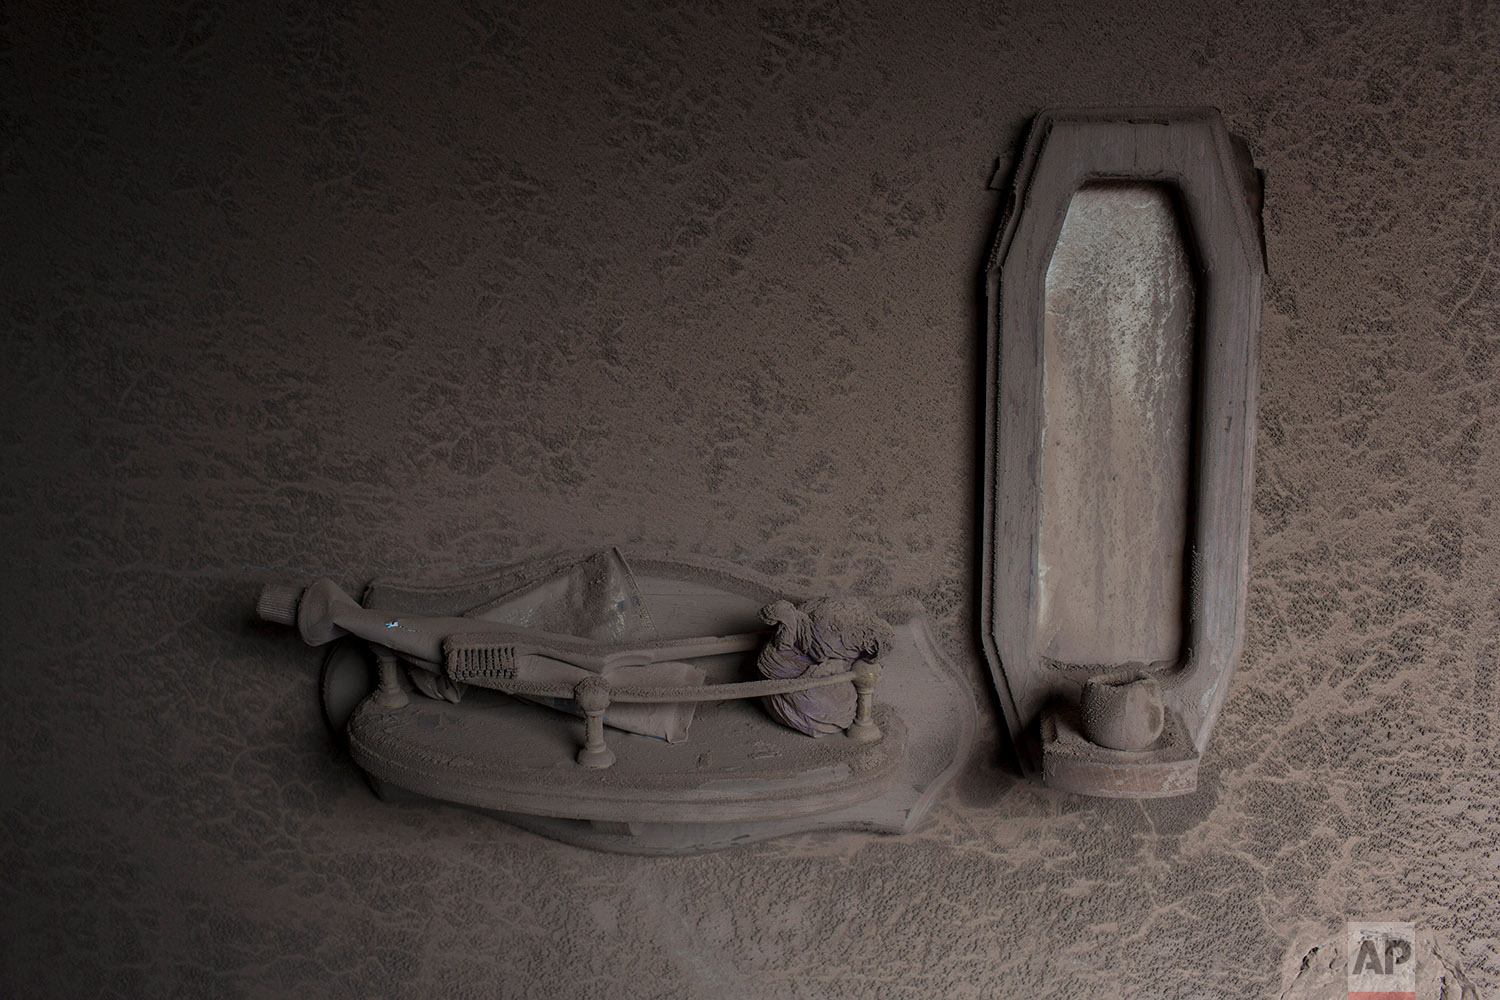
[298,288]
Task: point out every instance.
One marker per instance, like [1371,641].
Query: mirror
[1124,310]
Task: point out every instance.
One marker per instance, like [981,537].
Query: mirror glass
[1117,393]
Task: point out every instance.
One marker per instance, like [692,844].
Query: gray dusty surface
[297,289]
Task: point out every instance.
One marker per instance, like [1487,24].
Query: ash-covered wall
[303,288]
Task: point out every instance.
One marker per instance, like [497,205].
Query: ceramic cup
[1122,711]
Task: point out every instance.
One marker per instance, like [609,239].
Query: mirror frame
[1218,192]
